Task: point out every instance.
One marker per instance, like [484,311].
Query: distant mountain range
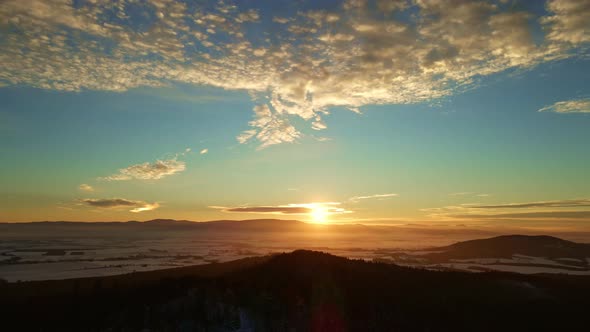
[158,223]
[255,225]
[151,222]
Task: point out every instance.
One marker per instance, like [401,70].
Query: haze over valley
[58,250]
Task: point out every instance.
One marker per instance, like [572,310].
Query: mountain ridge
[151,221]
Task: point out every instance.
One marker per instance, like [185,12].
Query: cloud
[86,187]
[281,20]
[570,106]
[569,22]
[351,55]
[148,171]
[376,196]
[145,207]
[541,210]
[117,203]
[553,204]
[271,209]
[469,193]
[270,128]
[558,215]
[327,208]
[204,151]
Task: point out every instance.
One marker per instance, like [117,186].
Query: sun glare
[319,214]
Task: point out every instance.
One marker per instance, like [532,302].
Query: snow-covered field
[46,261]
[68,252]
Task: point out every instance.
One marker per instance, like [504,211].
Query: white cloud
[281,20]
[570,106]
[269,128]
[86,187]
[375,196]
[348,56]
[569,22]
[468,193]
[148,171]
[248,16]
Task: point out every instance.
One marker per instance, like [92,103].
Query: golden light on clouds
[316,211]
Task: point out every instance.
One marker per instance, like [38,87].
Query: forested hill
[299,291]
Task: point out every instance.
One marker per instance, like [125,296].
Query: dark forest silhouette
[300,291]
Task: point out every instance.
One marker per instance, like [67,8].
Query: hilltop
[509,245]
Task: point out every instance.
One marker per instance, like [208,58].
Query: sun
[319,214]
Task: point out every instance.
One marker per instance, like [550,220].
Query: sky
[377,112]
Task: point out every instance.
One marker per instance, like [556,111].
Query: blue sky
[356,111]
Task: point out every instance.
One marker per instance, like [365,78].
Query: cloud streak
[328,208]
[570,106]
[118,203]
[557,215]
[375,196]
[271,209]
[542,204]
[469,193]
[571,209]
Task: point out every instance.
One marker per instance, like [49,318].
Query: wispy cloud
[570,209]
[553,204]
[570,106]
[544,215]
[327,208]
[461,193]
[375,196]
[316,59]
[116,203]
[269,128]
[271,209]
[86,187]
[148,171]
[470,194]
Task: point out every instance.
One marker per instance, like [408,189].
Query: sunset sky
[388,112]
